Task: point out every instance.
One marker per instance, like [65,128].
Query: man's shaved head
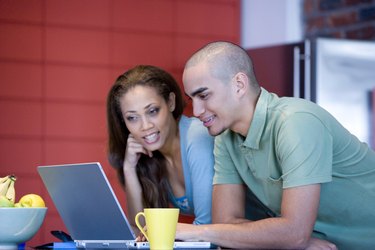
[224,60]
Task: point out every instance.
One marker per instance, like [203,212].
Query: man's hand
[187,232]
[318,244]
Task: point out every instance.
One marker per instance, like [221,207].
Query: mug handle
[139,224]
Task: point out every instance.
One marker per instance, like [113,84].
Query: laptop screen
[86,202]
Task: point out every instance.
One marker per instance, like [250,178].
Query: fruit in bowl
[30,200]
[5,202]
[7,191]
[19,221]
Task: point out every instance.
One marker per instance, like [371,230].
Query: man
[303,166]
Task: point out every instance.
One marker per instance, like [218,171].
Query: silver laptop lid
[86,202]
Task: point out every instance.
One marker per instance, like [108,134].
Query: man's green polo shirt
[293,142]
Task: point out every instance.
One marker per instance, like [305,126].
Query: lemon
[31,200]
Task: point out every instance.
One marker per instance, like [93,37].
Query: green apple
[17,204]
[5,202]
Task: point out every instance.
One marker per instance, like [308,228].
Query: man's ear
[241,83]
[172,102]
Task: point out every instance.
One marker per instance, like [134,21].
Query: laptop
[90,210]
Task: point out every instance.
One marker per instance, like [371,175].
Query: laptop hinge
[110,244]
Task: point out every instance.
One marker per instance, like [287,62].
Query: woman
[161,156]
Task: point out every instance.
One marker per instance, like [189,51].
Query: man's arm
[228,203]
[291,230]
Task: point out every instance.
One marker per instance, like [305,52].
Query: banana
[4,186]
[7,187]
[11,193]
[3,179]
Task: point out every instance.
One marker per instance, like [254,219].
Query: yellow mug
[161,226]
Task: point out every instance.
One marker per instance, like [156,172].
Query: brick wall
[351,19]
[58,60]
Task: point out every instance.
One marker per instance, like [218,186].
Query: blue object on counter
[67,244]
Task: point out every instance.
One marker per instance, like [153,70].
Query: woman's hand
[133,152]
[141,237]
[133,189]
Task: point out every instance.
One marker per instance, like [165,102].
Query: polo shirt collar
[255,131]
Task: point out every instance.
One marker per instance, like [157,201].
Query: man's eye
[203,96]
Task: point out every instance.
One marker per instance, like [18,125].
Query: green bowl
[18,225]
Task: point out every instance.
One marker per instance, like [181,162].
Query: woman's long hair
[151,171]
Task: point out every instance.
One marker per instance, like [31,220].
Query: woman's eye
[131,118]
[153,111]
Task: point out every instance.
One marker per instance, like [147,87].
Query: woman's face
[148,116]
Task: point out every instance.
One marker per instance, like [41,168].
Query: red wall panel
[142,48]
[22,42]
[266,60]
[21,10]
[79,13]
[58,151]
[21,80]
[144,15]
[20,156]
[77,46]
[75,120]
[20,118]
[66,82]
[207,18]
[25,185]
[58,60]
